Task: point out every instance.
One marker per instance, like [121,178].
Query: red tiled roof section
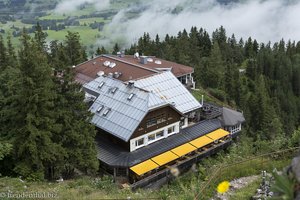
[87,71]
[130,67]
[177,69]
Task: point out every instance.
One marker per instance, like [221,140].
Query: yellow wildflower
[223,187]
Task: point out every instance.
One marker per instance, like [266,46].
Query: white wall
[133,146]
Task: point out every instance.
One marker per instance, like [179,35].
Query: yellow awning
[144,167]
[183,149]
[201,141]
[164,158]
[217,134]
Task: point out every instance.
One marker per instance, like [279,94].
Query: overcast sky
[268,20]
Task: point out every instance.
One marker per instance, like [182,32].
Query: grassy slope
[185,186]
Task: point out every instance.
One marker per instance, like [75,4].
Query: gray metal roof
[231,117]
[114,155]
[169,88]
[124,115]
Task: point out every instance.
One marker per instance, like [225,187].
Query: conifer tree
[74,51]
[3,54]
[77,134]
[12,58]
[40,38]
[32,123]
[216,67]
[101,51]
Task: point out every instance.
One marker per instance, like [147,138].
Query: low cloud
[264,20]
[67,6]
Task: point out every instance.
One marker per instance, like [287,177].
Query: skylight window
[106,112]
[113,90]
[100,108]
[101,85]
[130,97]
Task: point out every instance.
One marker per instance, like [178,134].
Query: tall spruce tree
[77,134]
[75,52]
[3,54]
[12,58]
[32,124]
[40,38]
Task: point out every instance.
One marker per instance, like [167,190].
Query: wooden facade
[171,116]
[165,115]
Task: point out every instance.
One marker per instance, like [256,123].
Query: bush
[106,182]
[219,94]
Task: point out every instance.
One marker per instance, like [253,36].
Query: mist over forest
[268,20]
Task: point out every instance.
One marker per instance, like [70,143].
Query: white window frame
[173,130]
[137,142]
[133,146]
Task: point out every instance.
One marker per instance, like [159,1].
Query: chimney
[143,60]
[122,54]
[110,75]
[131,83]
[117,74]
[136,55]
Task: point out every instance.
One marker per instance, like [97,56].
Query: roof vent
[106,63]
[94,63]
[150,59]
[110,75]
[158,62]
[112,65]
[136,55]
[117,74]
[100,73]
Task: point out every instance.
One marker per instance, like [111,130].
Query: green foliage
[43,115]
[246,192]
[104,183]
[74,51]
[219,94]
[260,79]
[295,139]
[283,187]
[5,149]
[101,50]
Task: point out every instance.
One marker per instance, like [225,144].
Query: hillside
[44,120]
[91,20]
